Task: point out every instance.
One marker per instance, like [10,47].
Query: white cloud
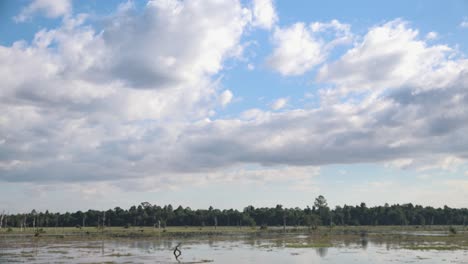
[390,56]
[341,33]
[434,162]
[464,23]
[213,39]
[298,48]
[400,163]
[448,163]
[118,105]
[109,97]
[50,8]
[432,35]
[225,98]
[264,14]
[279,103]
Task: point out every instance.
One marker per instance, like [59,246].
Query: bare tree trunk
[1,219]
[284,222]
[56,223]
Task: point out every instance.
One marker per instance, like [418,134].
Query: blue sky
[232,103]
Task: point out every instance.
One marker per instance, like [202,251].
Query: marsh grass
[433,247]
[90,240]
[57,251]
[227,230]
[313,245]
[118,255]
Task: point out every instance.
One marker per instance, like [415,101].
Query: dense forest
[147,214]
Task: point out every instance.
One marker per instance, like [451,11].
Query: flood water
[229,250]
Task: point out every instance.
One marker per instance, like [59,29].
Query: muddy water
[220,250]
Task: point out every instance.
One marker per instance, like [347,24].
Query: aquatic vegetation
[314,245]
[210,245]
[433,247]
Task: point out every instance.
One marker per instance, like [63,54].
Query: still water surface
[217,250]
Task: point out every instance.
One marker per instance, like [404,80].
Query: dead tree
[23,223]
[1,219]
[284,221]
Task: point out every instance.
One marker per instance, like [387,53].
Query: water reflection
[322,252]
[229,250]
[364,243]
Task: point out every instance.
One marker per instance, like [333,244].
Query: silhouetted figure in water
[177,252]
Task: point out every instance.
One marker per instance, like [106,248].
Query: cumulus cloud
[298,48]
[50,8]
[117,105]
[88,99]
[264,14]
[212,38]
[420,98]
[390,55]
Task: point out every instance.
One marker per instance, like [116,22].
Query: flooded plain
[246,248]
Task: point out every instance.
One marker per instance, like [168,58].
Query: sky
[232,103]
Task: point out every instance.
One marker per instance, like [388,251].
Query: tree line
[320,213]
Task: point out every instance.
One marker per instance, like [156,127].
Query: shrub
[452,230]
